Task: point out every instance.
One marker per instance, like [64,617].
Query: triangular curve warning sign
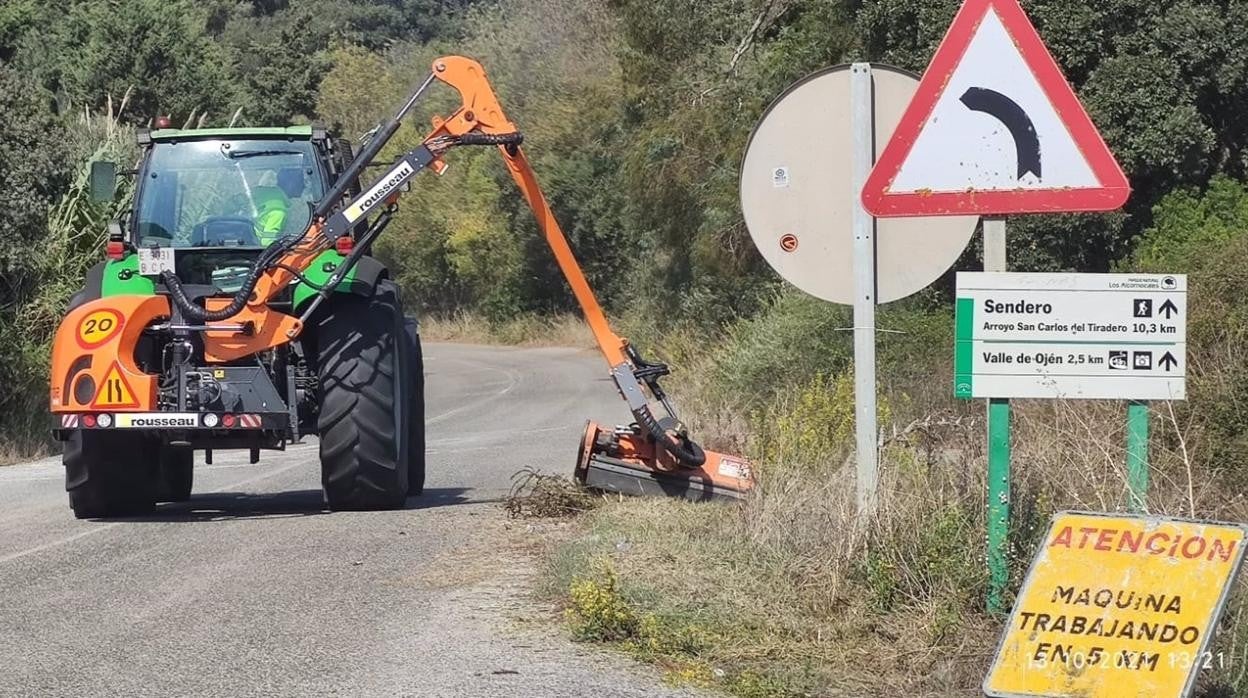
[994,129]
[115,391]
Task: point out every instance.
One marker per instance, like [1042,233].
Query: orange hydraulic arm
[479,115]
[482,113]
[479,120]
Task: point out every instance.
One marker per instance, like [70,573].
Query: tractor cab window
[213,193]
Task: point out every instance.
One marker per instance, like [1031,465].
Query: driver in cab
[273,203]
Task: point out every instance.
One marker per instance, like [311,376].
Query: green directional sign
[1076,336]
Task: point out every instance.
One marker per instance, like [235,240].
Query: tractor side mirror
[102,183]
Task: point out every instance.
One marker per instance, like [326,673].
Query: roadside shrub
[812,424]
[34,300]
[797,337]
[936,560]
[597,611]
[1188,224]
[1205,235]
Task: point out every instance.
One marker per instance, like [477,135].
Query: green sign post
[996,259]
[998,503]
[1137,456]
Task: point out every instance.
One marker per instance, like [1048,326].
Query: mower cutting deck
[622,460]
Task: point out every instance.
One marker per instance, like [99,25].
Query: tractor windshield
[213,193]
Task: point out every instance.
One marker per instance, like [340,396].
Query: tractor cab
[218,197]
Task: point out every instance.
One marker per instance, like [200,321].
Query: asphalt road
[251,588]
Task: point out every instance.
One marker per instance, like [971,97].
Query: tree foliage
[34,172]
[636,113]
[159,50]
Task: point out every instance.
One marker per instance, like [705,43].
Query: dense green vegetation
[637,113]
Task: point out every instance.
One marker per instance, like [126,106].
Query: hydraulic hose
[478,138]
[682,448]
[199,314]
[239,301]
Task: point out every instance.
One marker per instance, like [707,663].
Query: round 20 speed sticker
[98,327]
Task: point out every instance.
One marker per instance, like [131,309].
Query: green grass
[790,594]
[679,585]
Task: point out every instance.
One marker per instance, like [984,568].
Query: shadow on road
[222,506]
[434,497]
[219,506]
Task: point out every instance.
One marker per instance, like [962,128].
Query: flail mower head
[624,460]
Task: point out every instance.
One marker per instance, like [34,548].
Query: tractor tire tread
[109,474]
[360,450]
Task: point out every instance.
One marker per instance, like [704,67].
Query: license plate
[154,260]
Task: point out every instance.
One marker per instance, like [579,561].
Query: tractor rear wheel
[110,473]
[177,473]
[416,411]
[364,405]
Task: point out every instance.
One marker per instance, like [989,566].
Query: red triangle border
[121,375]
[1114,189]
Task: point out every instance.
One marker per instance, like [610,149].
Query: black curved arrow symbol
[1007,111]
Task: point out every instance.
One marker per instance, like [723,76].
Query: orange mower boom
[652,456]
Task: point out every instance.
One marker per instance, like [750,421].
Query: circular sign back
[797,192]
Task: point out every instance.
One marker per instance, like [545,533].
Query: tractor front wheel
[364,407]
[110,473]
[415,385]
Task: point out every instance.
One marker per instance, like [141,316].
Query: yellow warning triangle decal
[115,391]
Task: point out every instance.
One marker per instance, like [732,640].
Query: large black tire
[177,473]
[362,421]
[110,473]
[416,411]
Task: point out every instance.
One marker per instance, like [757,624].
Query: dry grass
[539,495]
[10,454]
[790,593]
[525,330]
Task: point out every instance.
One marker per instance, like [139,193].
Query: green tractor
[133,403]
[239,308]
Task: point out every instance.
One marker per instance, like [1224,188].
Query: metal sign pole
[998,450]
[1137,456]
[862,111]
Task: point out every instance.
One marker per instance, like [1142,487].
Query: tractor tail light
[344,245]
[116,249]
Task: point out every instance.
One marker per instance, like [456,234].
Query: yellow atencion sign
[1117,606]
